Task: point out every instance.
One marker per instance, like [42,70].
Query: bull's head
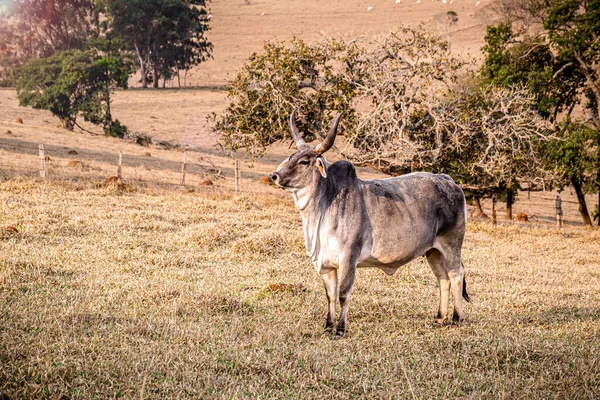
[299,169]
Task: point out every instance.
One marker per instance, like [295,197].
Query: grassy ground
[153,293]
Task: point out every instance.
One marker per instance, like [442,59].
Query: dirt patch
[522,217]
[113,180]
[8,232]
[75,163]
[284,288]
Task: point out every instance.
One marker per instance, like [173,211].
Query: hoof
[328,328]
[457,319]
[340,333]
[439,322]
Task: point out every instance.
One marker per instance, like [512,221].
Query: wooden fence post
[183,168]
[494,201]
[237,176]
[119,169]
[42,162]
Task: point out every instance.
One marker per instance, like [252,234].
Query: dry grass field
[150,291]
[240,27]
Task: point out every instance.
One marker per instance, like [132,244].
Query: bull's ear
[322,165]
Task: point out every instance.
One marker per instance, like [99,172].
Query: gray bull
[386,223]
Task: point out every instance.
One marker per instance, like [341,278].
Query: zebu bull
[350,223]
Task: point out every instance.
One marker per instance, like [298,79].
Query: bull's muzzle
[274,178]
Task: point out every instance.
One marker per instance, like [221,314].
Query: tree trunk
[155,76]
[143,70]
[107,115]
[509,202]
[67,123]
[598,216]
[478,210]
[583,210]
[494,200]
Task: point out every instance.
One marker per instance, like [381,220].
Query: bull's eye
[303,162]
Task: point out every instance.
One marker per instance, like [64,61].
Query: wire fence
[56,162]
[189,169]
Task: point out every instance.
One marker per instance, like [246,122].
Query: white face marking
[283,164]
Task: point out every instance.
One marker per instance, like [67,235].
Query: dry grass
[157,293]
[143,290]
[240,28]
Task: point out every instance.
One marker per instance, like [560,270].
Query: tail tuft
[464,289]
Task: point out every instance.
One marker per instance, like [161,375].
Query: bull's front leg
[346,273]
[330,281]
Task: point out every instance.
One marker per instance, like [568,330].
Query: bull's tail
[465,295]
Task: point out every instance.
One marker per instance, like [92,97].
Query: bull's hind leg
[436,261]
[456,275]
[330,282]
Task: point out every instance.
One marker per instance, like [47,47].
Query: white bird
[369,8]
[398,1]
[264,13]
[444,1]
[477,3]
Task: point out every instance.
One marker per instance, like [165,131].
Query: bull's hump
[343,173]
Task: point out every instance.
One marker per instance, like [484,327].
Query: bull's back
[404,216]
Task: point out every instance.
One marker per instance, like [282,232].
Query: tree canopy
[165,35]
[73,83]
[403,108]
[560,64]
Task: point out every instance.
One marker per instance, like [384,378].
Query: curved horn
[328,142]
[295,132]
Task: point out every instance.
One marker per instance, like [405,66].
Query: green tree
[111,70]
[315,78]
[560,64]
[166,36]
[573,155]
[529,61]
[73,83]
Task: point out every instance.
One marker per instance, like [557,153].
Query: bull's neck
[311,200]
[312,203]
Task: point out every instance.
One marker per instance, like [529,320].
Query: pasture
[148,291]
